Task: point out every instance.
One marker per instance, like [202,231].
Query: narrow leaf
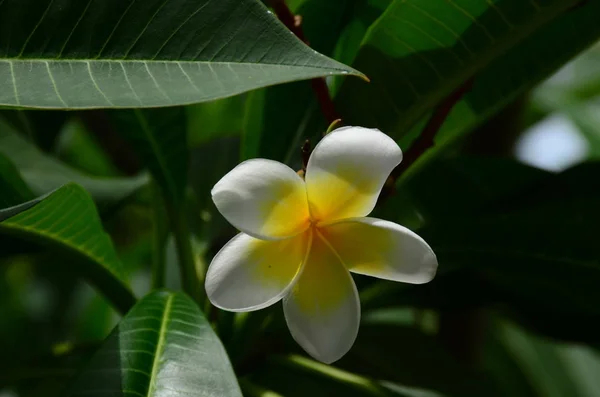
[43,174]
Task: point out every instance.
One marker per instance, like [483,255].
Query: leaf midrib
[476,64]
[347,70]
[160,345]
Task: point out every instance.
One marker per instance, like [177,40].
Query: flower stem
[426,139]
[367,386]
[191,279]
[251,390]
[319,85]
[159,238]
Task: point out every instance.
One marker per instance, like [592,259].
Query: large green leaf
[418,52]
[44,174]
[66,223]
[505,233]
[159,136]
[164,346]
[552,369]
[530,244]
[508,233]
[114,53]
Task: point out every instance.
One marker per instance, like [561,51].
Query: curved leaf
[418,52]
[115,53]
[66,222]
[44,174]
[163,346]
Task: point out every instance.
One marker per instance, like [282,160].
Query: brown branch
[426,139]
[319,86]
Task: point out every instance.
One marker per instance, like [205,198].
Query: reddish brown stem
[427,138]
[318,85]
[286,16]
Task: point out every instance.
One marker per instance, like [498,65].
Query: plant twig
[319,85]
[192,282]
[426,139]
[159,238]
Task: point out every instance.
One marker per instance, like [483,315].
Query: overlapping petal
[382,249]
[322,310]
[263,198]
[250,274]
[347,170]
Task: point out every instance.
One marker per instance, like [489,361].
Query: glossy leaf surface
[163,347]
[114,53]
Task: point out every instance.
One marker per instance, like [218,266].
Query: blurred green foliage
[99,207]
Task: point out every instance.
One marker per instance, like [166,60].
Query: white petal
[347,170]
[322,310]
[382,249]
[250,274]
[263,198]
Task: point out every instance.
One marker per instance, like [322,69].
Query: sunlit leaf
[164,346]
[114,53]
[418,52]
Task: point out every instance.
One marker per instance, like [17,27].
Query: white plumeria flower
[300,238]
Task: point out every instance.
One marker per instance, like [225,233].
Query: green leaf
[505,233]
[469,185]
[577,82]
[514,235]
[13,188]
[553,369]
[403,354]
[418,52]
[217,119]
[44,174]
[299,376]
[209,163]
[66,222]
[164,346]
[528,245]
[79,148]
[114,53]
[159,136]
